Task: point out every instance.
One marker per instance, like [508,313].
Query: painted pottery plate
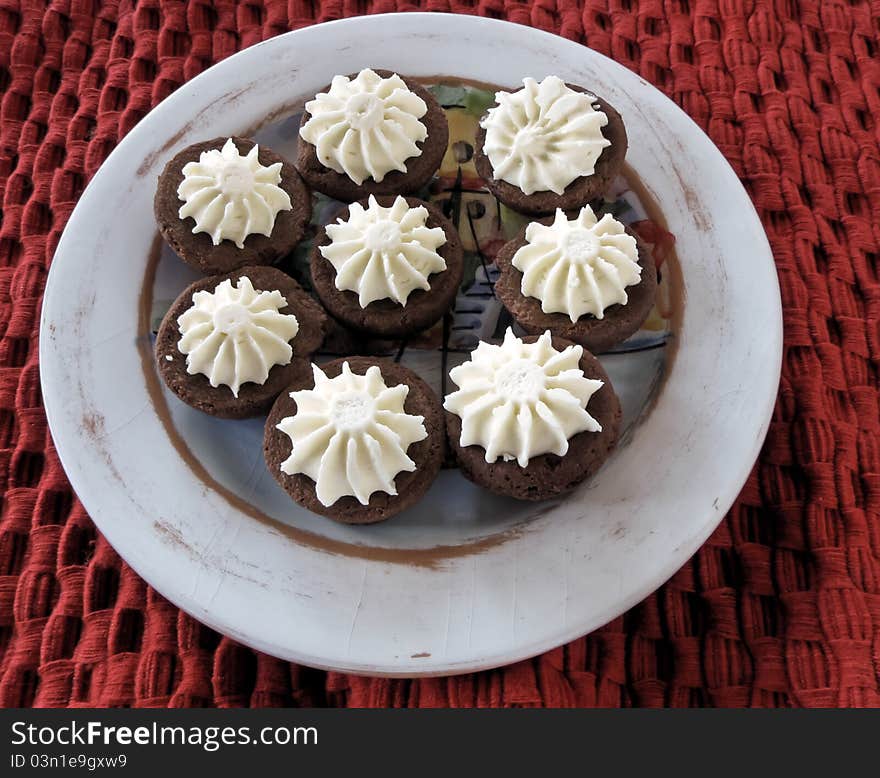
[464,580]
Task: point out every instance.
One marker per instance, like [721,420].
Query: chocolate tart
[427,454]
[253,399]
[547,475]
[197,249]
[387,318]
[580,191]
[419,170]
[596,335]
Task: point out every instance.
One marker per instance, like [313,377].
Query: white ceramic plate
[464,581]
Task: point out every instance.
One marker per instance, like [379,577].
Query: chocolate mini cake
[536,159]
[390,139]
[230,344]
[547,421]
[358,440]
[221,205]
[388,267]
[587,280]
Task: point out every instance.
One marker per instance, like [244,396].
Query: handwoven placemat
[781,607]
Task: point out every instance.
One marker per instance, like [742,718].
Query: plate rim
[54,409]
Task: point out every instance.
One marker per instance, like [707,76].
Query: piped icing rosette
[384,253]
[543,136]
[520,400]
[350,435]
[230,196]
[236,335]
[578,267]
[366,127]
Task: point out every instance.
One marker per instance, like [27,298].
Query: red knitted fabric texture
[780,608]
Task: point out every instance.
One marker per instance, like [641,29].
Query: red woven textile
[780,608]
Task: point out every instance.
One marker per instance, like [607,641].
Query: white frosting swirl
[520,400]
[384,253]
[230,196]
[236,335]
[543,136]
[578,267]
[367,126]
[350,435]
